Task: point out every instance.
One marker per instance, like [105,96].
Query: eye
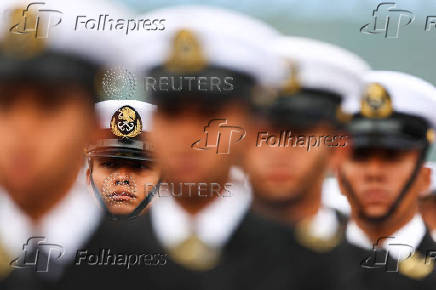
[142,165]
[146,165]
[361,155]
[108,164]
[393,155]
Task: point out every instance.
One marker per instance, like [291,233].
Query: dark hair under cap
[303,109]
[50,67]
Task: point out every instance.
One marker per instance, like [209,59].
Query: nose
[122,178]
[374,170]
[122,182]
[24,121]
[375,164]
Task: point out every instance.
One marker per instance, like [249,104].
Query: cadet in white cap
[392,129]
[296,140]
[121,170]
[48,73]
[202,72]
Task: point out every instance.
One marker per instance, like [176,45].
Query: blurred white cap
[324,66]
[60,28]
[227,39]
[409,94]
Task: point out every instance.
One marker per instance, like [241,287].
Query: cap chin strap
[131,215]
[396,203]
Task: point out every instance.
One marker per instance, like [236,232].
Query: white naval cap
[321,65]
[396,106]
[408,94]
[122,124]
[107,109]
[64,26]
[227,39]
[320,76]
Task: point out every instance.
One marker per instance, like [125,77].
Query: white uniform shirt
[411,234]
[214,225]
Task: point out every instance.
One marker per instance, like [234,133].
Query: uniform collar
[69,224]
[411,234]
[213,225]
[324,224]
[332,197]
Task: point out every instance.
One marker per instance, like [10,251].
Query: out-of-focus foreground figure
[202,73]
[48,84]
[295,141]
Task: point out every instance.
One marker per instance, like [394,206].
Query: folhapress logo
[218,134]
[37,21]
[381,258]
[400,257]
[388,20]
[37,254]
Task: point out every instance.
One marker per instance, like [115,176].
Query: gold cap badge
[126,122]
[376,103]
[293,84]
[430,135]
[186,54]
[342,116]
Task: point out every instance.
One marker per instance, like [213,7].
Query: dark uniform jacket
[94,271]
[255,257]
[363,269]
[313,261]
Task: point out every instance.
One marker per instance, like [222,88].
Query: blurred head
[47,90]
[373,178]
[391,135]
[283,174]
[122,183]
[46,126]
[202,81]
[308,104]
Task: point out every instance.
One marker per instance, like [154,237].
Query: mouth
[121,196]
[376,196]
[279,176]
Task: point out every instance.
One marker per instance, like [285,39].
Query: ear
[338,180]
[340,153]
[159,171]
[425,180]
[88,176]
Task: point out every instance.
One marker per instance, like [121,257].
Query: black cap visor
[122,153]
[398,132]
[304,109]
[50,67]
